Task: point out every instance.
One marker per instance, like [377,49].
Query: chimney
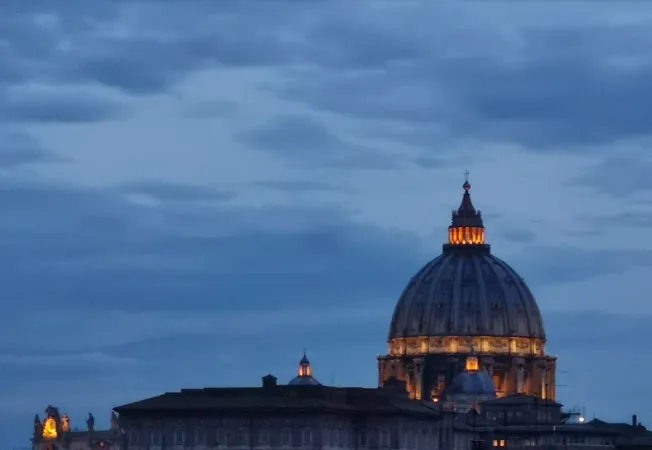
[269,381]
[634,421]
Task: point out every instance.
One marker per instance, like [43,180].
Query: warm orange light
[50,428]
[472,364]
[65,423]
[305,370]
[466,235]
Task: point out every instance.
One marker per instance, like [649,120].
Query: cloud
[59,360]
[307,140]
[58,106]
[548,265]
[542,94]
[524,235]
[174,192]
[211,109]
[295,185]
[621,176]
[18,148]
[100,247]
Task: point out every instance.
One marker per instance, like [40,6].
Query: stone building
[524,422]
[468,300]
[303,415]
[56,432]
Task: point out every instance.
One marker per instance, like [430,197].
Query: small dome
[477,383]
[304,378]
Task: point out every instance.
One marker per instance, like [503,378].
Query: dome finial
[466,185]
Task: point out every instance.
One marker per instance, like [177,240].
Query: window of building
[441,383]
[155,437]
[325,437]
[384,438]
[219,437]
[200,436]
[179,437]
[362,438]
[134,436]
[285,436]
[263,436]
[306,436]
[243,437]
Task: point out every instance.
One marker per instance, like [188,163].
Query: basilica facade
[466,302]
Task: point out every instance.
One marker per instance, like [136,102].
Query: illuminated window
[441,382]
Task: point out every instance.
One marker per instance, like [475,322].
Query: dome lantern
[466,227]
[304,377]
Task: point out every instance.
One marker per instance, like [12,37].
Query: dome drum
[492,345]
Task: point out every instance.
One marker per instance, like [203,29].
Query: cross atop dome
[467,227]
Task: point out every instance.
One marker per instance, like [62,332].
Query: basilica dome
[466,291]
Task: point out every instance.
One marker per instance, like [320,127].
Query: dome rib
[482,293]
[457,288]
[429,316]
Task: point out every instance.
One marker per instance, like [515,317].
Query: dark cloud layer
[560,87]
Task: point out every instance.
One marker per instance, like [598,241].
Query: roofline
[126,411]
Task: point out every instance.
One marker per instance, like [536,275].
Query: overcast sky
[193,192]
